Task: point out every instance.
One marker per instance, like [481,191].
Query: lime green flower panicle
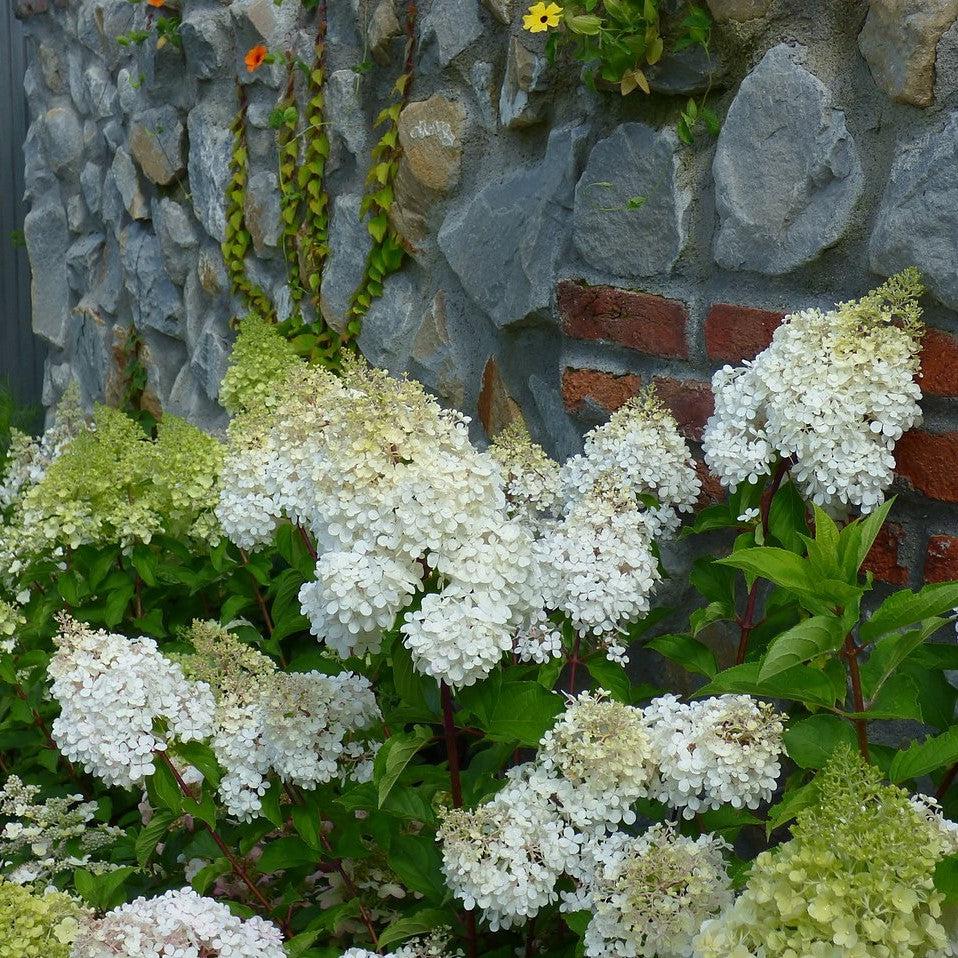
[259,363]
[36,924]
[854,881]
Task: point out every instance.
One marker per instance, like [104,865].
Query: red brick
[941,562]
[883,560]
[690,400]
[640,321]
[929,461]
[607,389]
[939,363]
[734,333]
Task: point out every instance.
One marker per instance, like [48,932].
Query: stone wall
[565,246]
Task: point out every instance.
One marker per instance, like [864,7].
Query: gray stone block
[787,171]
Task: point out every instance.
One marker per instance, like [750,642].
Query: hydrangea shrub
[345,682]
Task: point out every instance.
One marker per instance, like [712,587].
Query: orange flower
[156,3]
[255,57]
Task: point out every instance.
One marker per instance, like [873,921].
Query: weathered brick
[606,389]
[929,461]
[884,560]
[939,363]
[641,321]
[734,333]
[941,561]
[690,400]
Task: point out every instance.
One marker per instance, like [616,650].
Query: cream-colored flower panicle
[115,696]
[506,856]
[179,924]
[714,752]
[300,726]
[833,393]
[649,894]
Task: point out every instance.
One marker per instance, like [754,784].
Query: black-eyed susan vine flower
[541,17]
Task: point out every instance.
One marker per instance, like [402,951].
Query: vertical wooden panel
[21,354]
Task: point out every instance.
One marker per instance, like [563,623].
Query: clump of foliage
[618,40]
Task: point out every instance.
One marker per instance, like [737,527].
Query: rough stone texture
[946,64]
[497,409]
[430,134]
[127,181]
[47,238]
[724,10]
[629,216]
[350,243]
[344,112]
[154,299]
[899,41]
[450,27]
[505,243]
[207,42]
[262,212]
[383,28]
[787,172]
[211,151]
[63,138]
[917,223]
[521,101]
[390,327]
[157,144]
[178,237]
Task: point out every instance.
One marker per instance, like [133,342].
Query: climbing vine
[238,241]
[304,202]
[388,252]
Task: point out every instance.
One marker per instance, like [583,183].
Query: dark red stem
[237,866]
[850,653]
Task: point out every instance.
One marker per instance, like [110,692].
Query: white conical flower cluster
[555,815]
[292,724]
[115,694]
[506,856]
[179,924]
[714,752]
[396,500]
[649,894]
[833,393]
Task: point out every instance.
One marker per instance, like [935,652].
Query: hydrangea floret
[121,701]
[714,752]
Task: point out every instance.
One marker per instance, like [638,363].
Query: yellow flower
[541,16]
